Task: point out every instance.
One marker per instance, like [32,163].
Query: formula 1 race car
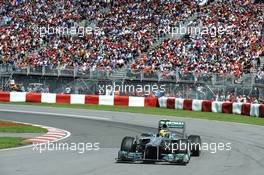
[168,145]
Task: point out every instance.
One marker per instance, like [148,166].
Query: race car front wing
[124,156]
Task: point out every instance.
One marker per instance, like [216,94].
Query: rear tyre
[182,146]
[195,145]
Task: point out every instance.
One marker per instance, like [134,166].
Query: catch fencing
[206,86]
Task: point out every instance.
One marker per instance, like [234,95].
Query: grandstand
[81,45]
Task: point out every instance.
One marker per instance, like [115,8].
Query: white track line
[56,114]
[53,135]
[45,137]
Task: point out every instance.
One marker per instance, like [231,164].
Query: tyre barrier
[255,110]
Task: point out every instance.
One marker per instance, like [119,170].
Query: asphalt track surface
[108,128]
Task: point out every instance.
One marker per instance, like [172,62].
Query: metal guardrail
[54,71]
[172,76]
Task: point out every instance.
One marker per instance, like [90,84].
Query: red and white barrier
[207,106]
[17,96]
[261,111]
[92,99]
[227,107]
[121,101]
[77,99]
[187,104]
[256,110]
[245,110]
[217,106]
[33,97]
[197,105]
[163,102]
[136,101]
[237,108]
[106,100]
[171,103]
[179,103]
[48,98]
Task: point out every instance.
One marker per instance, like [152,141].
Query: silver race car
[170,144]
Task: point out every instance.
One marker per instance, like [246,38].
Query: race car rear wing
[172,124]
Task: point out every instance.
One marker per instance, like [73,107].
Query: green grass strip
[11,142]
[22,129]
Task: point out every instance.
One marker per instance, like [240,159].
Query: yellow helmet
[163,133]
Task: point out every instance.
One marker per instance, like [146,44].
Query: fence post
[28,70]
[74,72]
[59,71]
[43,70]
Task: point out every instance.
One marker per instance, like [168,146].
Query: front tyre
[128,144]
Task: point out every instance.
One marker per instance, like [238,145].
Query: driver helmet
[164,132]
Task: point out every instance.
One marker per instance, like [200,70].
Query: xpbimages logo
[66,31]
[212,31]
[80,148]
[146,89]
[211,147]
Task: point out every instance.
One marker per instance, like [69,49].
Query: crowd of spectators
[236,49]
[123,31]
[22,43]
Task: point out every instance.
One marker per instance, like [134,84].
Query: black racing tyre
[128,144]
[182,146]
[195,145]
